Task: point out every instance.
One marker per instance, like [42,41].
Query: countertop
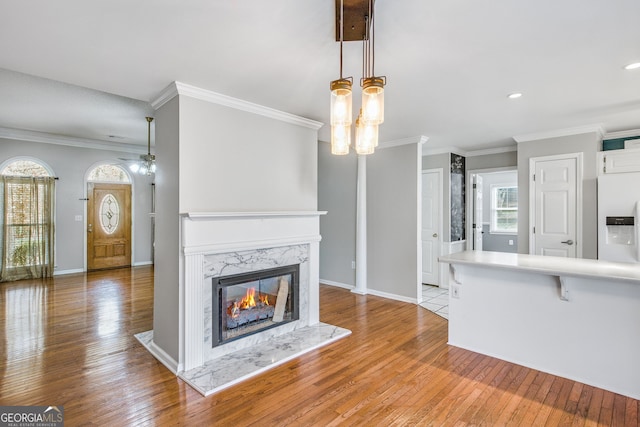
[555,266]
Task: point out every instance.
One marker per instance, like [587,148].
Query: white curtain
[27,234]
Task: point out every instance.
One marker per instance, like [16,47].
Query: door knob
[568,242]
[90,228]
[435,235]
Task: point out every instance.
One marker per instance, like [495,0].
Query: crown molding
[70,141]
[599,129]
[488,151]
[443,150]
[421,139]
[622,134]
[177,88]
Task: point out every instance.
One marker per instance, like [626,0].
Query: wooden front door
[108,226]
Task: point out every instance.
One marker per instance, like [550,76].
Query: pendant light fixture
[366,136]
[372,111]
[372,86]
[341,101]
[147,163]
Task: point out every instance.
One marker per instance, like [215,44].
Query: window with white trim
[504,209]
[27,192]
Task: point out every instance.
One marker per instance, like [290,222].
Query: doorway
[555,193]
[109,225]
[431,225]
[493,210]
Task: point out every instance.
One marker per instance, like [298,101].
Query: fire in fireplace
[244,304]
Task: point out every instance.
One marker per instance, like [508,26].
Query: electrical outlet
[353,265]
[510,242]
[455,291]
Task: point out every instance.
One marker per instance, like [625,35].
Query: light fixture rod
[341,33]
[149,120]
[372,36]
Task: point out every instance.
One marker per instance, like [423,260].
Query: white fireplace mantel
[208,234]
[227,215]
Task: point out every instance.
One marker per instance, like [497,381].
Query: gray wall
[219,159]
[489,161]
[442,161]
[337,182]
[71,164]
[588,144]
[498,242]
[166,297]
[392,220]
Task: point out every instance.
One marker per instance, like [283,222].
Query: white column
[193,311]
[361,227]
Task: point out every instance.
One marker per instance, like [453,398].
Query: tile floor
[436,300]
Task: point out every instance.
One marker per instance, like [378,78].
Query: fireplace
[248,303]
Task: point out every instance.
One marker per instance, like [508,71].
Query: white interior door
[555,206]
[431,200]
[477,213]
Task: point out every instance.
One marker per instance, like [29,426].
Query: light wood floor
[69,341]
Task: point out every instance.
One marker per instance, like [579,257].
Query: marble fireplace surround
[221,244]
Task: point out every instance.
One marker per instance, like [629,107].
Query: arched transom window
[24,168]
[108,173]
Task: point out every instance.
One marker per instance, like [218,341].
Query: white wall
[70,164]
[393,228]
[232,160]
[588,144]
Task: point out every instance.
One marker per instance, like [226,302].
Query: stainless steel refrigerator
[618,210]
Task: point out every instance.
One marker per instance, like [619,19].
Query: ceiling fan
[146,165]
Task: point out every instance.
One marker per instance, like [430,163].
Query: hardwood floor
[69,341]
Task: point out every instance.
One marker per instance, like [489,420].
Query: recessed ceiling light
[514,95]
[632,66]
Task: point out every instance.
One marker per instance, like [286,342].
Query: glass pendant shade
[366,137]
[373,100]
[341,101]
[340,139]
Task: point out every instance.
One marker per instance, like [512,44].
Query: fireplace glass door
[248,303]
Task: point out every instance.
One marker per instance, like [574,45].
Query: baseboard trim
[336,284]
[392,296]
[141,263]
[72,271]
[164,358]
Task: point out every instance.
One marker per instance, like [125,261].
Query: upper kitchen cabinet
[619,161]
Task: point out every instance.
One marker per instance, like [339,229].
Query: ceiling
[88,69]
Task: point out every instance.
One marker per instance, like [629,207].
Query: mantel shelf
[231,215]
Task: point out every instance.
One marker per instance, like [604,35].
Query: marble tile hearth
[225,371]
[218,245]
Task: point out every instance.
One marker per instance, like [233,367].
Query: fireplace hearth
[248,303]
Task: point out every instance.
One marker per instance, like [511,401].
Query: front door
[108,226]
[430,227]
[556,205]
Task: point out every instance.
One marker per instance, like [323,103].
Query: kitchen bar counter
[575,318]
[556,266]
